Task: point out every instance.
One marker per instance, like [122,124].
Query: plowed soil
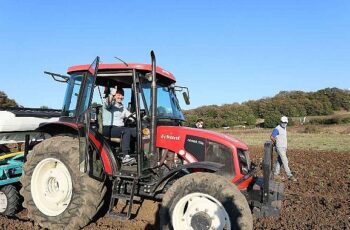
[320,199]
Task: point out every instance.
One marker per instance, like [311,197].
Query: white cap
[284,119]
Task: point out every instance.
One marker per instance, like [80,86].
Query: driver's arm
[109,101]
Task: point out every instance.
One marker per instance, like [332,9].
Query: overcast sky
[224,51]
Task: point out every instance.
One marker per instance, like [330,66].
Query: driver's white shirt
[114,114]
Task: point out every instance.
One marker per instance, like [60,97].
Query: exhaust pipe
[154,107]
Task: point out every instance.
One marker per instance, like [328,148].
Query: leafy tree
[6,102]
[272,119]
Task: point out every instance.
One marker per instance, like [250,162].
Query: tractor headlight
[146,132]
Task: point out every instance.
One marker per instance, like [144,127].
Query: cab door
[83,113]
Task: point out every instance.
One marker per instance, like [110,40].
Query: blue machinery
[11,168]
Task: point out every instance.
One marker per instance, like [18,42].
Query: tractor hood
[176,137]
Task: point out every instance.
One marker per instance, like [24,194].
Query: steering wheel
[130,120]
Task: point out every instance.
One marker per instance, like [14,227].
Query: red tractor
[204,179]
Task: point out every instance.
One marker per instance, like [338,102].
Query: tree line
[269,110]
[6,102]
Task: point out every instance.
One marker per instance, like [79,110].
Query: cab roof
[116,67]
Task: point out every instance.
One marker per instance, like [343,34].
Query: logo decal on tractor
[170,137]
[195,141]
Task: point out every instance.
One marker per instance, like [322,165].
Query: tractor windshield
[167,104]
[72,95]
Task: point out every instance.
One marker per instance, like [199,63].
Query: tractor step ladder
[118,193]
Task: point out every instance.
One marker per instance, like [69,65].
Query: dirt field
[319,200]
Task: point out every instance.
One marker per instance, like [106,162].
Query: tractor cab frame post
[139,147]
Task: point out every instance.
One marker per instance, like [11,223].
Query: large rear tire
[56,194]
[204,201]
[9,200]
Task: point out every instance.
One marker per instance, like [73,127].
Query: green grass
[335,140]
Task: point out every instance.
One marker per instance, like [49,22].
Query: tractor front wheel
[204,201]
[56,193]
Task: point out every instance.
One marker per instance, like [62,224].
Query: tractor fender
[70,129]
[186,169]
[57,128]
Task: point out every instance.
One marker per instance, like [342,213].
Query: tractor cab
[90,93]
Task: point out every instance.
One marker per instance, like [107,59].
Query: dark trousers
[126,132]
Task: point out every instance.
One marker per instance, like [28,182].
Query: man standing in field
[199,124]
[279,138]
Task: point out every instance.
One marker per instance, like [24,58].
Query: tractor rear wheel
[9,200]
[204,201]
[56,193]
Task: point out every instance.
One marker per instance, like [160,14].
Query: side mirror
[185,93]
[58,77]
[186,98]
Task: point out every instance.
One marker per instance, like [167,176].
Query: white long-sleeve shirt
[114,114]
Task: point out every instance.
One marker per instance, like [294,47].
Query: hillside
[289,103]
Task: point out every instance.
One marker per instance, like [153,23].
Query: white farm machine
[17,124]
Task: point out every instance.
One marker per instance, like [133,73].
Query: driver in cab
[114,115]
